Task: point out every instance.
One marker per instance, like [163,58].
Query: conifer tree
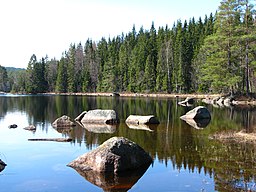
[30,86]
[3,79]
[61,83]
[221,67]
[71,69]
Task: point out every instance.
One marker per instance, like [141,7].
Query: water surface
[185,159]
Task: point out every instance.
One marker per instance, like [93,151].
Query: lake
[185,158]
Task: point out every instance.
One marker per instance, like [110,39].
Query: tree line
[214,54]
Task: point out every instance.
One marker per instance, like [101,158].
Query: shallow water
[185,159]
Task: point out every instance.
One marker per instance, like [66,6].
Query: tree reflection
[173,140]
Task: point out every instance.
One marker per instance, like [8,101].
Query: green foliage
[226,64]
[3,79]
[61,83]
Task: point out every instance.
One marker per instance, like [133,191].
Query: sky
[48,27]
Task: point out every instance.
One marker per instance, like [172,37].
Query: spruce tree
[71,69]
[61,82]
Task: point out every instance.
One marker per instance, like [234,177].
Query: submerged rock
[117,154]
[139,119]
[30,128]
[52,139]
[99,116]
[199,112]
[63,121]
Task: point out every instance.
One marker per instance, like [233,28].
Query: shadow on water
[232,165]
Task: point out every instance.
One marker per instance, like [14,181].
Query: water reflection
[111,182]
[198,123]
[145,127]
[173,140]
[99,128]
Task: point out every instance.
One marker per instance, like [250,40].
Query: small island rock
[139,119]
[13,126]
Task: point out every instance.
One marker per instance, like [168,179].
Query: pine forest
[215,54]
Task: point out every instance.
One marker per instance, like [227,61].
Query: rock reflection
[198,123]
[111,182]
[66,130]
[142,126]
[99,128]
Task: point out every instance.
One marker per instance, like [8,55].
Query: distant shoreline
[156,95]
[239,100]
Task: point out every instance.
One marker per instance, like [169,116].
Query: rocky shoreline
[160,95]
[206,98]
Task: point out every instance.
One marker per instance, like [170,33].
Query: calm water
[185,159]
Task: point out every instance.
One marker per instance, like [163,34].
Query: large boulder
[63,122]
[115,155]
[199,112]
[139,119]
[100,116]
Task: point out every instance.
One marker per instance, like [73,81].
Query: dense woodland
[215,54]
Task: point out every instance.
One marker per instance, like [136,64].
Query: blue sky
[49,26]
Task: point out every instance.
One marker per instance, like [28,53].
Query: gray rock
[80,117]
[228,101]
[199,112]
[100,116]
[187,102]
[13,126]
[115,94]
[115,155]
[220,101]
[63,121]
[139,119]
